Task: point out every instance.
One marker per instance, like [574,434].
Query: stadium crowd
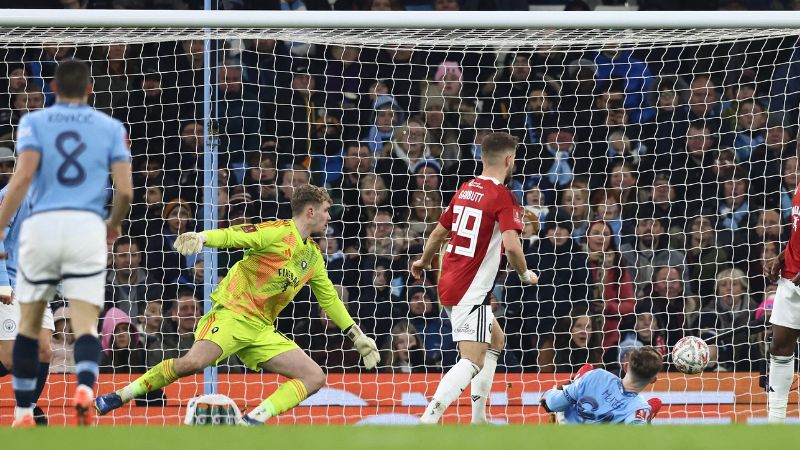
[661,178]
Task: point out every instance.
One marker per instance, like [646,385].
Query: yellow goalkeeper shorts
[252,341]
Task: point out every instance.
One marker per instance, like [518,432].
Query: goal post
[657,151]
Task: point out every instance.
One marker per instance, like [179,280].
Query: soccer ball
[690,355]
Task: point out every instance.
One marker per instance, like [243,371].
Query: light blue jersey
[598,397]
[8,266]
[77,146]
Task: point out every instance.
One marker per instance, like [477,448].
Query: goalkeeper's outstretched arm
[329,300]
[239,236]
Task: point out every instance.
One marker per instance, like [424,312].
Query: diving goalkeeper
[280,259]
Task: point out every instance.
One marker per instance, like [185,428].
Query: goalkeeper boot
[39,416]
[107,403]
[84,406]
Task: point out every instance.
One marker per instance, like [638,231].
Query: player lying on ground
[482,219]
[598,396]
[10,311]
[281,258]
[65,154]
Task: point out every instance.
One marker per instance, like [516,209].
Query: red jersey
[479,213]
[791,257]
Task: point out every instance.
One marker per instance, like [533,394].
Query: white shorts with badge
[9,321]
[62,247]
[471,322]
[786,310]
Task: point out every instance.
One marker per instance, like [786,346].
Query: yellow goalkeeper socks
[287,396]
[159,376]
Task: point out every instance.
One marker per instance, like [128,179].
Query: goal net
[659,165]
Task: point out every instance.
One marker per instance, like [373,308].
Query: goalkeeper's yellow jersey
[276,265]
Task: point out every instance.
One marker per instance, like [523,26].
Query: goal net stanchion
[657,151]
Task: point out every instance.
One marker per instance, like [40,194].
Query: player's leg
[472,331]
[25,361]
[482,383]
[305,378]
[88,353]
[781,371]
[6,347]
[202,354]
[45,355]
[785,321]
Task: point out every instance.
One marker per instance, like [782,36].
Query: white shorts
[66,247]
[9,321]
[786,310]
[471,322]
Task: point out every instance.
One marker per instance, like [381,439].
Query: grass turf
[727,437]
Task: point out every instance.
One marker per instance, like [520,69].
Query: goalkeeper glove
[529,277]
[190,243]
[365,346]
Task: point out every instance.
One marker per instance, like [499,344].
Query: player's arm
[26,166]
[329,300]
[6,293]
[561,398]
[123,195]
[239,236]
[437,237]
[773,267]
[510,219]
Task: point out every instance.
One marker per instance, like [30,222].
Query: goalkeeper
[280,259]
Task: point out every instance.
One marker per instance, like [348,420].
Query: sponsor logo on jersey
[465,329]
[23,132]
[249,228]
[641,414]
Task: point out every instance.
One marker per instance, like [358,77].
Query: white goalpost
[658,156]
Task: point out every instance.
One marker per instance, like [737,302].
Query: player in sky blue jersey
[10,313]
[64,156]
[598,396]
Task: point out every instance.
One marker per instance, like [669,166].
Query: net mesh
[660,164]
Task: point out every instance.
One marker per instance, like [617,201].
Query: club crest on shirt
[249,228]
[303,264]
[9,325]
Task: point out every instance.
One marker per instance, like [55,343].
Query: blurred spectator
[645,332]
[647,250]
[326,343]
[426,207]
[563,282]
[239,115]
[152,325]
[268,66]
[433,327]
[372,195]
[184,316]
[7,160]
[575,204]
[557,159]
[751,123]
[622,64]
[404,352]
[732,317]
[691,168]
[576,340]
[122,350]
[290,179]
[357,160]
[332,252]
[396,160]
[128,284]
[386,117]
[667,206]
[703,256]
[163,262]
[373,305]
[613,290]
[261,182]
[705,105]
[153,118]
[63,342]
[294,114]
[114,75]
[674,310]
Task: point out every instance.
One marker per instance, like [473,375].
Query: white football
[690,355]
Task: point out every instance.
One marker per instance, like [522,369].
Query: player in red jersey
[482,219]
[785,319]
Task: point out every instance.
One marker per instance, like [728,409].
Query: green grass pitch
[729,437]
